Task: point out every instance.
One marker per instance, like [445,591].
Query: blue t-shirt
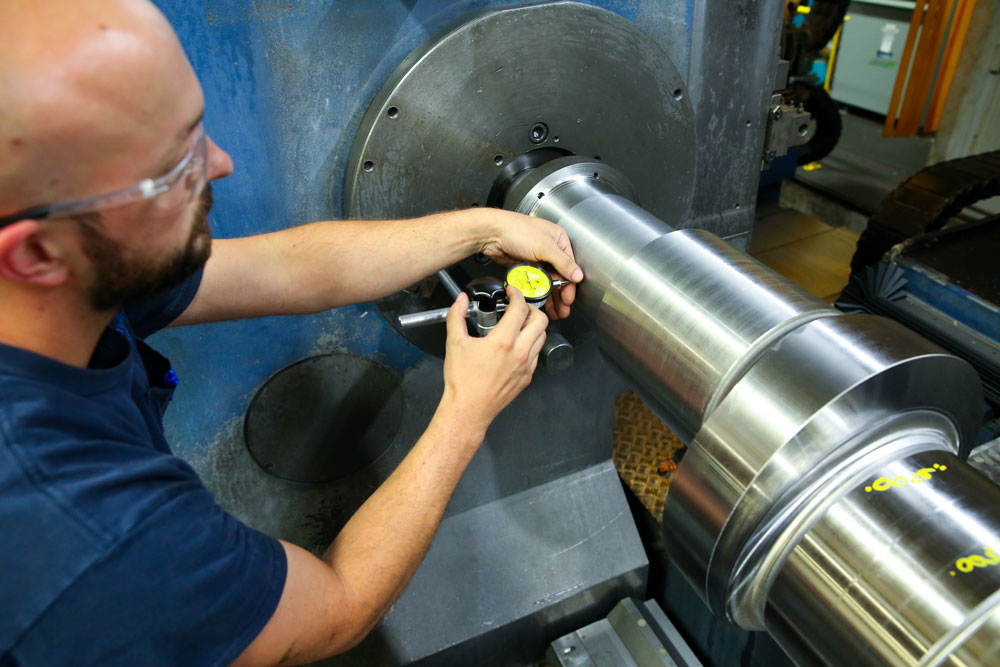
[112,551]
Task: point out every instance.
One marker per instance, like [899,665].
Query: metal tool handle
[449,283]
[436,316]
[424,318]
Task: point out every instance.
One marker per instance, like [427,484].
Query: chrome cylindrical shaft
[681,313]
[449,283]
[808,503]
[914,554]
[424,318]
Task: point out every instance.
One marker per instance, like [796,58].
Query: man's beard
[121,281]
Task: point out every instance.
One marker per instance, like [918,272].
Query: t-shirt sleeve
[189,585]
[158,311]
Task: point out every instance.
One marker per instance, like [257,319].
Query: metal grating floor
[642,442]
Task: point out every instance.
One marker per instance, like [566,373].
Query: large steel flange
[563,76]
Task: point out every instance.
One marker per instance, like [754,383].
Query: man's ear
[28,256]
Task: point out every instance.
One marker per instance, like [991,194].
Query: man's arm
[322,265]
[329,604]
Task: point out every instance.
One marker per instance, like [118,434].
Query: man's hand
[523,238]
[483,375]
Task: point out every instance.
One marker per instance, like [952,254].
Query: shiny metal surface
[785,513]
[809,407]
[688,314]
[557,352]
[449,283]
[424,318]
[894,563]
[462,105]
[723,308]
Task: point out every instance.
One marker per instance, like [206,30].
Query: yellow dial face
[533,282]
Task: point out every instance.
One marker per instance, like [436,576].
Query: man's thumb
[456,317]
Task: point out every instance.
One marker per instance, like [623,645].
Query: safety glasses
[169,193]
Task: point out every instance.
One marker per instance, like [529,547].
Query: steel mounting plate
[470,100]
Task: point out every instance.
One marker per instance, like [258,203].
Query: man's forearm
[329,605]
[381,546]
[353,261]
[322,265]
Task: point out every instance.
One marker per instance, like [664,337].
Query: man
[114,553]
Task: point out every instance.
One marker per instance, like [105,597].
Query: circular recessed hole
[678,94]
[749,123]
[392,112]
[596,176]
[803,130]
[737,206]
[368,166]
[555,140]
[324,418]
[538,133]
[541,194]
[498,160]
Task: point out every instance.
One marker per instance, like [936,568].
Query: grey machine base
[635,634]
[543,561]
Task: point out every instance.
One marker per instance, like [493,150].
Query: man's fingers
[514,316]
[564,260]
[567,293]
[533,332]
[456,317]
[562,240]
[562,310]
[536,346]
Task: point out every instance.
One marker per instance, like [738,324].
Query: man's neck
[52,324]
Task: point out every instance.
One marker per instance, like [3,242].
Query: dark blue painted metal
[286,83]
[953,301]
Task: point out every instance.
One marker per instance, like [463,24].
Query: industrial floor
[808,252]
[865,166]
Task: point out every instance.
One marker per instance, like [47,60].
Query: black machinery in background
[919,263]
[804,36]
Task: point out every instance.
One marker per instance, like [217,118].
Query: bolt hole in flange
[323,418]
[498,160]
[392,112]
[678,94]
[368,166]
[539,133]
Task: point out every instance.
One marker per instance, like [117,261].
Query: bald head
[94,97]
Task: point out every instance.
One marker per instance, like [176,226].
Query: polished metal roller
[823,497]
